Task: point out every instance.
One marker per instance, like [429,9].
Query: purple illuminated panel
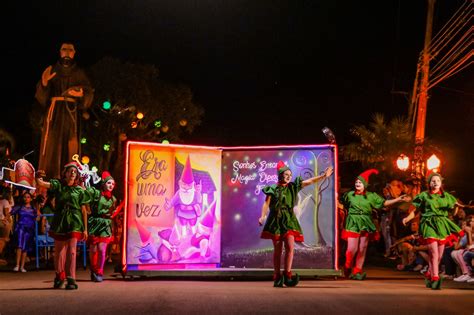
[245,171]
[173,207]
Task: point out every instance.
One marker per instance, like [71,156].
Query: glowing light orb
[433,163]
[403,162]
[85,159]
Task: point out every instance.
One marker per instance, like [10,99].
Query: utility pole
[418,171]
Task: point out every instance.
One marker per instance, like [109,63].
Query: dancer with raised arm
[435,226]
[281,225]
[359,227]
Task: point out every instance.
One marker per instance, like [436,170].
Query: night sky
[266,72]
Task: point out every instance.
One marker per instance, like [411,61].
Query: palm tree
[380,143]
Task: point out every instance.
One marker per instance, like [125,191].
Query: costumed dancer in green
[69,222]
[436,228]
[282,226]
[359,227]
[103,210]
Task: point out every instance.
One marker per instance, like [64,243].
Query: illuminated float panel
[245,172]
[173,207]
[196,207]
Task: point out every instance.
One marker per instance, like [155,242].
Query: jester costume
[282,221]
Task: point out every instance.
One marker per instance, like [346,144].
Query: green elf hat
[364,176]
[73,164]
[106,176]
[430,175]
[281,167]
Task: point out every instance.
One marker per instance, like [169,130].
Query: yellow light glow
[140,115]
[403,162]
[85,159]
[433,163]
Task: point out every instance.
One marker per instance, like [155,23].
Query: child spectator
[24,229]
[459,249]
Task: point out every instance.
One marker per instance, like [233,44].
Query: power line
[453,53]
[445,34]
[459,66]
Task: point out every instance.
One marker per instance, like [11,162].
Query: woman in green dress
[103,204]
[69,222]
[436,228]
[281,225]
[359,228]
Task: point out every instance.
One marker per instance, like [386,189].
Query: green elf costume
[103,204]
[281,221]
[68,226]
[435,226]
[359,205]
[67,222]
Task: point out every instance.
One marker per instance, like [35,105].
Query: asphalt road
[386,291]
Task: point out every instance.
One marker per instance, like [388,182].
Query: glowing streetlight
[433,163]
[403,162]
[85,159]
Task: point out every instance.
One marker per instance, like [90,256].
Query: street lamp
[418,167]
[433,163]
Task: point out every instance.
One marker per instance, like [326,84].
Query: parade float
[193,210]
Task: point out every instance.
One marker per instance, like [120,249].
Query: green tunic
[67,221]
[100,221]
[434,223]
[282,220]
[359,217]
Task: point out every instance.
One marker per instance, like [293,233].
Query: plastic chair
[47,242]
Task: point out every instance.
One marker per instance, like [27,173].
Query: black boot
[71,284]
[58,281]
[94,277]
[289,280]
[277,280]
[436,284]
